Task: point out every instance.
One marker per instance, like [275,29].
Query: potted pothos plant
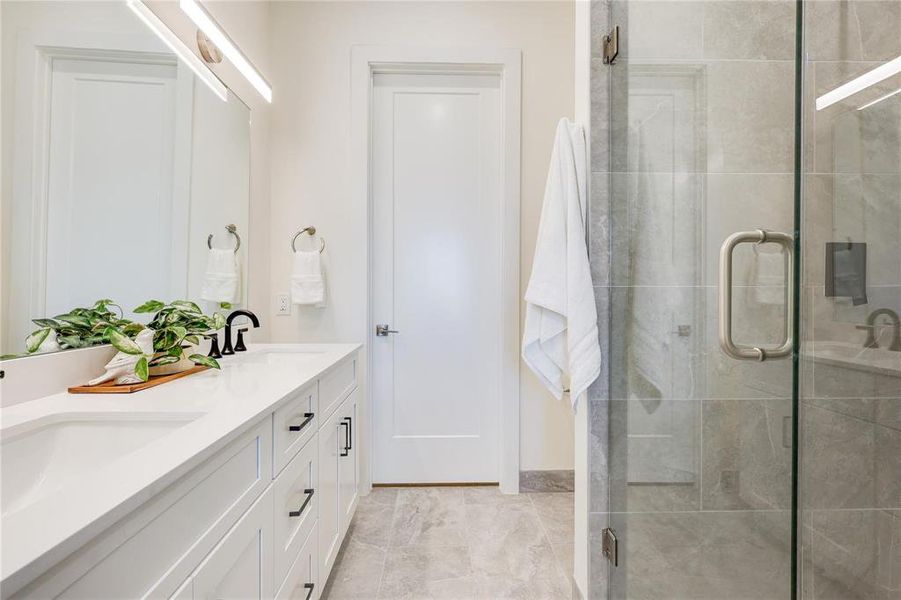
[177,329]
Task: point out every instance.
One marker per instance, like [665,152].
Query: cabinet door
[331,445]
[348,463]
[240,566]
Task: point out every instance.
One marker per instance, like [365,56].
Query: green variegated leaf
[73,341]
[46,323]
[122,342]
[225,305]
[142,369]
[176,351]
[187,305]
[218,321]
[165,359]
[75,319]
[34,341]
[206,361]
[150,306]
[192,339]
[132,329]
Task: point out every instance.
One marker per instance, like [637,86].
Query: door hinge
[611,46]
[609,547]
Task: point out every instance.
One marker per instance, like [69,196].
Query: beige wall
[310,150]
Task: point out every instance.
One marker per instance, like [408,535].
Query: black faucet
[227,344]
[870,328]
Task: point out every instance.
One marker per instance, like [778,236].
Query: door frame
[367,61]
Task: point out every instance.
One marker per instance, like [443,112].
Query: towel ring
[232,230]
[310,230]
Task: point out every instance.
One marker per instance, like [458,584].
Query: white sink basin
[44,455]
[878,360]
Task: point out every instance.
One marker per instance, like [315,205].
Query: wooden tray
[130,388]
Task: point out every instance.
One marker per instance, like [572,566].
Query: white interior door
[436,188]
[112,126]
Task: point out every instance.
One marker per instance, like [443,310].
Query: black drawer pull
[349,443]
[306,421]
[299,511]
[309,586]
[344,450]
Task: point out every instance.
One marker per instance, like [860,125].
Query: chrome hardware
[310,230]
[758,236]
[382,330]
[870,328]
[611,46]
[609,546]
[232,229]
[299,511]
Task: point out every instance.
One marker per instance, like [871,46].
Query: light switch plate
[282,304]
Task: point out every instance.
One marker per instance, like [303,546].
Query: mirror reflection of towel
[846,271]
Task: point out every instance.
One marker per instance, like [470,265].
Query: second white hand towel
[560,338]
[307,280]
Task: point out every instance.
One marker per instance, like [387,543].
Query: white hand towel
[307,280]
[221,278]
[560,341]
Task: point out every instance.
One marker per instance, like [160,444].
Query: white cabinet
[240,566]
[348,465]
[331,446]
[302,582]
[263,517]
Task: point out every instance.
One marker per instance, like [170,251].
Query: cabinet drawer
[336,385]
[296,506]
[293,425]
[153,550]
[302,582]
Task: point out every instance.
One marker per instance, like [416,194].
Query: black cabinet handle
[349,444]
[344,450]
[306,421]
[309,586]
[299,511]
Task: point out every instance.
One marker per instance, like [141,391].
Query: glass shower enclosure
[754,397]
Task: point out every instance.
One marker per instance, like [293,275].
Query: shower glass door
[718,127]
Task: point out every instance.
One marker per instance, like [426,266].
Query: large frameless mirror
[119,164]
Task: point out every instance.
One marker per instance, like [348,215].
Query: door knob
[382,330]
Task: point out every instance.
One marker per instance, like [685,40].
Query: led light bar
[880,99]
[217,35]
[178,47]
[880,73]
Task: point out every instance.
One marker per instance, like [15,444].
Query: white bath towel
[560,341]
[307,280]
[222,276]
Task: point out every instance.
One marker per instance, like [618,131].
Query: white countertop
[222,403]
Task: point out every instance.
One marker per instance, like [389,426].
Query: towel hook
[232,229]
[312,231]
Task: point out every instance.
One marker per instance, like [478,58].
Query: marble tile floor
[462,543]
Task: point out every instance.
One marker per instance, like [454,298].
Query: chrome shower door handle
[758,236]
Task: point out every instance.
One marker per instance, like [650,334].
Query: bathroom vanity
[233,483]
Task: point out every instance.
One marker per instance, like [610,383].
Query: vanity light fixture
[178,47]
[217,35]
[880,73]
[880,99]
